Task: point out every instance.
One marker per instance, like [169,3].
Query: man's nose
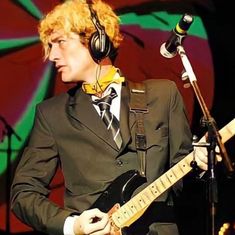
[54,54]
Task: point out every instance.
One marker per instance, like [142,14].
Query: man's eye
[61,41]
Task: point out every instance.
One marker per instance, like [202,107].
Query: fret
[141,200]
[157,189]
[150,194]
[182,166]
[171,176]
[173,170]
[134,201]
[162,182]
[179,171]
[125,211]
[159,185]
[154,189]
[188,161]
[132,206]
[117,218]
[164,179]
[147,196]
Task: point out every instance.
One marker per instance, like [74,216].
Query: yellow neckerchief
[99,87]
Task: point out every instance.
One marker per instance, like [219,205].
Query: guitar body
[119,191]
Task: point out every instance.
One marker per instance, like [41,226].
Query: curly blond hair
[74,16]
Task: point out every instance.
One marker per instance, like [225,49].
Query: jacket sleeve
[180,137]
[30,187]
[179,130]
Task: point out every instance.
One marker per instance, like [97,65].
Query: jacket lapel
[126,120]
[81,109]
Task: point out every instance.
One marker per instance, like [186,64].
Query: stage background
[26,80]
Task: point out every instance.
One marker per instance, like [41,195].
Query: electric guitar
[121,189]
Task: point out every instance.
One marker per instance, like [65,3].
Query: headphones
[99,45]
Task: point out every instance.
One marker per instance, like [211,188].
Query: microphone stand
[213,139]
[9,131]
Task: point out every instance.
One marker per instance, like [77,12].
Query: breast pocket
[157,137]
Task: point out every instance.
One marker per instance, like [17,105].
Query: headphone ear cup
[94,46]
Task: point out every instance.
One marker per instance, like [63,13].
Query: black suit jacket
[68,133]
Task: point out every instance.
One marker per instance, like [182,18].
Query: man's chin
[66,79]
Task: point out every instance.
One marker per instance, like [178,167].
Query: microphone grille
[185,22]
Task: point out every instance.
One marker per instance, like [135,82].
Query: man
[81,38]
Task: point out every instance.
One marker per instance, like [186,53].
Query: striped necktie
[108,118]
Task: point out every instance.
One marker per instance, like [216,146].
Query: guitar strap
[138,106]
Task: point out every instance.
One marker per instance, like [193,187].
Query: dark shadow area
[194,211]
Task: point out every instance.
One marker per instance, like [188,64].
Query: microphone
[169,48]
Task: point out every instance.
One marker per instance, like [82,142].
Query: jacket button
[119,162]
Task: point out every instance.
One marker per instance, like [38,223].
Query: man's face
[72,59]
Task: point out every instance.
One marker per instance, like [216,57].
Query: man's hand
[93,222]
[201,157]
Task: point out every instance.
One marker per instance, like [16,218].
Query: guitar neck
[136,206]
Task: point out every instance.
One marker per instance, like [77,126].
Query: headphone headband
[99,44]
